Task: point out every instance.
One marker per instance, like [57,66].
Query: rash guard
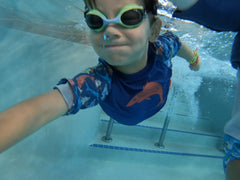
[127,98]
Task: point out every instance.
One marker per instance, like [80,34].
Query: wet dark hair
[150,5]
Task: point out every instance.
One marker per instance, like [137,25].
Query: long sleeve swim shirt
[127,98]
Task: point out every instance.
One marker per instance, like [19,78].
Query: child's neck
[133,68]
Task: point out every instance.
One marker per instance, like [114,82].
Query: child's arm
[191,56]
[24,118]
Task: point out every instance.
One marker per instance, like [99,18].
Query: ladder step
[142,139]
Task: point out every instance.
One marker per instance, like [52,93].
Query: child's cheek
[95,39]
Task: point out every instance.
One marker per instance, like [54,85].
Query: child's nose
[112,31]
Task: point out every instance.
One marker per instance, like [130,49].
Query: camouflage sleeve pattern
[90,87]
[167,45]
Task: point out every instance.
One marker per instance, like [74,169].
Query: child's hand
[195,64]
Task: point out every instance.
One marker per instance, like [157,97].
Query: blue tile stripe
[153,151]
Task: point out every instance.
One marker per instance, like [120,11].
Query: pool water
[43,41]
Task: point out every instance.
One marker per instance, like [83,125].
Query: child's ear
[155,29]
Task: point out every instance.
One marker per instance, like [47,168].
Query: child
[221,15]
[131,81]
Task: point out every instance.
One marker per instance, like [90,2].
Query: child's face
[125,49]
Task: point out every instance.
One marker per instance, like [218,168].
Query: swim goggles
[130,16]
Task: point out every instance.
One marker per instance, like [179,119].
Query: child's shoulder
[168,36]
[166,39]
[166,44]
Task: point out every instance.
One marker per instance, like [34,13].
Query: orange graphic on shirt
[82,78]
[159,51]
[151,88]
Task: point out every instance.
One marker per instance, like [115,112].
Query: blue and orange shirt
[128,98]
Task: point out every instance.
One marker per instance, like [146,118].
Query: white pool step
[142,138]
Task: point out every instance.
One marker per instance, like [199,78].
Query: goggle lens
[94,21]
[130,16]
